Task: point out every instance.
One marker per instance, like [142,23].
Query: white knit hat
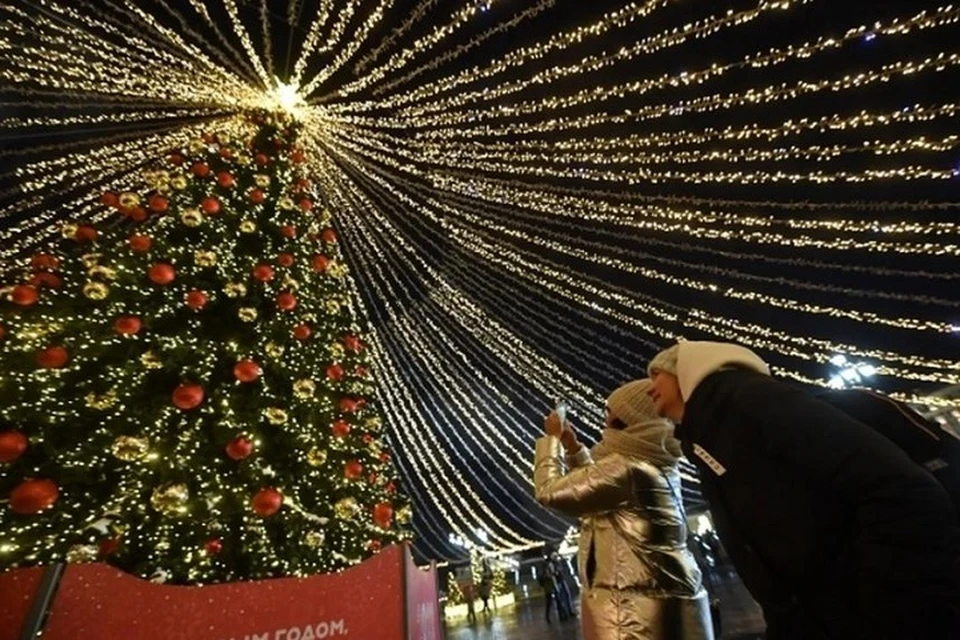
[632,403]
[665,361]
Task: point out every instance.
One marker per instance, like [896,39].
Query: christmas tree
[184,392]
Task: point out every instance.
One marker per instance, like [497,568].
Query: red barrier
[366,602]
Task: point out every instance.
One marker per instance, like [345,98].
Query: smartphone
[561,410]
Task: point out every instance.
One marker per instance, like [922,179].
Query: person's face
[665,393]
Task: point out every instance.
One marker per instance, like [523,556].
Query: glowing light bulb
[287,97]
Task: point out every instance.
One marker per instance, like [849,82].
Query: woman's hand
[552,426]
[568,437]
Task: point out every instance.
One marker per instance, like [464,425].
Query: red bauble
[247,371]
[226,180]
[266,502]
[261,159]
[109,198]
[352,343]
[201,169]
[239,448]
[12,445]
[138,214]
[45,261]
[285,259]
[374,546]
[360,371]
[140,243]
[33,496]
[196,300]
[263,272]
[372,479]
[384,457]
[24,295]
[187,396]
[210,205]
[367,438]
[334,372]
[320,262]
[390,488]
[226,153]
[46,280]
[286,301]
[52,357]
[161,273]
[328,235]
[175,159]
[257,196]
[85,233]
[213,547]
[306,204]
[208,137]
[158,203]
[348,405]
[127,325]
[288,231]
[340,429]
[298,157]
[383,514]
[352,470]
[302,183]
[302,331]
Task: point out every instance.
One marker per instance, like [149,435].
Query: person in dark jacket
[833,529]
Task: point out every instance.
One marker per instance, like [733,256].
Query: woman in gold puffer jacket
[639,580]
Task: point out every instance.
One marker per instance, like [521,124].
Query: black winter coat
[833,529]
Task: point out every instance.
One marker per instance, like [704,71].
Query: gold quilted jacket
[639,580]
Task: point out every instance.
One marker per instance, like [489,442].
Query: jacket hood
[696,360]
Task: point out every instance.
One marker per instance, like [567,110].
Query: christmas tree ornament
[188,396]
[101,401]
[275,415]
[85,233]
[179,182]
[68,230]
[102,272]
[196,300]
[320,263]
[33,495]
[348,405]
[247,314]
[305,204]
[384,457]
[285,260]
[139,243]
[340,428]
[352,470]
[45,261]
[285,203]
[210,206]
[24,295]
[158,204]
[261,180]
[334,372]
[266,502]
[304,389]
[54,357]
[302,331]
[235,289]
[150,360]
[191,217]
[352,343]
[298,157]
[80,553]
[109,198]
[170,499]
[226,180]
[374,546]
[205,258]
[337,269]
[96,290]
[328,235]
[213,547]
[248,226]
[129,199]
[247,371]
[316,457]
[161,273]
[130,448]
[274,350]
[286,301]
[288,231]
[45,279]
[257,196]
[239,448]
[137,214]
[404,515]
[383,514]
[263,272]
[175,159]
[346,508]
[373,423]
[200,169]
[127,325]
[332,307]
[314,539]
[261,159]
[12,445]
[337,352]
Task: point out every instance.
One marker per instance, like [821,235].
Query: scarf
[650,440]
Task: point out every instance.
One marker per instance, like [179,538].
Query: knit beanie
[632,404]
[665,361]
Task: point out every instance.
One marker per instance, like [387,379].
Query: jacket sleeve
[905,528]
[590,489]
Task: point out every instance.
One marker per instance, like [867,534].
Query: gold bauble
[191,217]
[90,260]
[247,314]
[130,448]
[205,258]
[275,415]
[96,290]
[304,389]
[262,180]
[316,457]
[164,189]
[170,499]
[197,146]
[404,515]
[68,231]
[337,269]
[150,360]
[274,350]
[315,539]
[248,226]
[333,307]
[290,283]
[106,273]
[80,553]
[373,423]
[101,402]
[244,160]
[337,351]
[235,289]
[129,199]
[285,203]
[179,182]
[346,508]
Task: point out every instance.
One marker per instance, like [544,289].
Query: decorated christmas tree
[184,391]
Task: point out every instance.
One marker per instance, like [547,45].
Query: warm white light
[288,98]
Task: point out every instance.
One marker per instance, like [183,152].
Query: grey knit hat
[632,403]
[665,361]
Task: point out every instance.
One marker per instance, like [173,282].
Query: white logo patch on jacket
[709,460]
